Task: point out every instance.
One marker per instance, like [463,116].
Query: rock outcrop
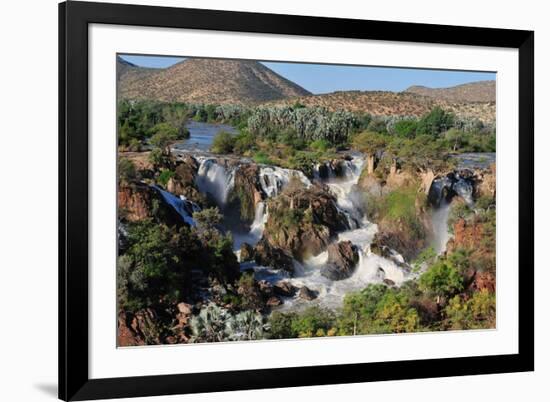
[267,255]
[342,260]
[302,221]
[138,201]
[246,192]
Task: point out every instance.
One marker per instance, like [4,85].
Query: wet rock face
[342,260]
[268,256]
[460,183]
[246,192]
[307,294]
[136,202]
[247,252]
[284,289]
[183,181]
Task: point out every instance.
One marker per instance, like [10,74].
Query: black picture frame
[74,381]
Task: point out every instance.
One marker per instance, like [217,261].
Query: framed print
[258,201]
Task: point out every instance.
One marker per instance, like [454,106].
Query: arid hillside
[481,91]
[386,103]
[206,81]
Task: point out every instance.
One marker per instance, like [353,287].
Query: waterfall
[370,268]
[274,179]
[348,200]
[441,192]
[215,180]
[182,205]
[440,217]
[260,219]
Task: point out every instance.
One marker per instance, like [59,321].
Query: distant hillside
[205,81]
[386,103]
[481,91]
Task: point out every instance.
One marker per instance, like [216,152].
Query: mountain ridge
[478,91]
[206,81]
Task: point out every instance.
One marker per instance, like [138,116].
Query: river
[201,136]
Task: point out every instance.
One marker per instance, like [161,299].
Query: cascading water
[214,180]
[274,179]
[440,217]
[441,193]
[371,268]
[182,205]
[347,198]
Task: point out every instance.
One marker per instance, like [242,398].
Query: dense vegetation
[297,136]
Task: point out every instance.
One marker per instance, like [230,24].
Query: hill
[205,81]
[386,103]
[481,91]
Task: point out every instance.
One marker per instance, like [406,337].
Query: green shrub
[405,128]
[477,312]
[321,145]
[164,176]
[127,170]
[223,143]
[263,158]
[442,280]
[244,142]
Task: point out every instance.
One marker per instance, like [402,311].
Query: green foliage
[127,171]
[369,142]
[164,176]
[208,218]
[426,256]
[137,119]
[309,124]
[458,211]
[320,145]
[262,157]
[156,265]
[377,125]
[441,279]
[159,159]
[216,324]
[476,312]
[223,143]
[378,309]
[244,142]
[405,128]
[312,322]
[435,122]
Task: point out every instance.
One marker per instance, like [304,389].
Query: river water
[202,135]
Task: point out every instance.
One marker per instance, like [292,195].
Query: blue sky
[320,78]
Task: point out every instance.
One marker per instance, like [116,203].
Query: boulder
[274,301]
[302,221]
[284,288]
[307,294]
[342,260]
[266,288]
[247,252]
[268,256]
[139,201]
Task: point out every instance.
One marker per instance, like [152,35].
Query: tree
[442,280]
[435,122]
[405,128]
[455,138]
[479,311]
[157,264]
[369,142]
[162,135]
